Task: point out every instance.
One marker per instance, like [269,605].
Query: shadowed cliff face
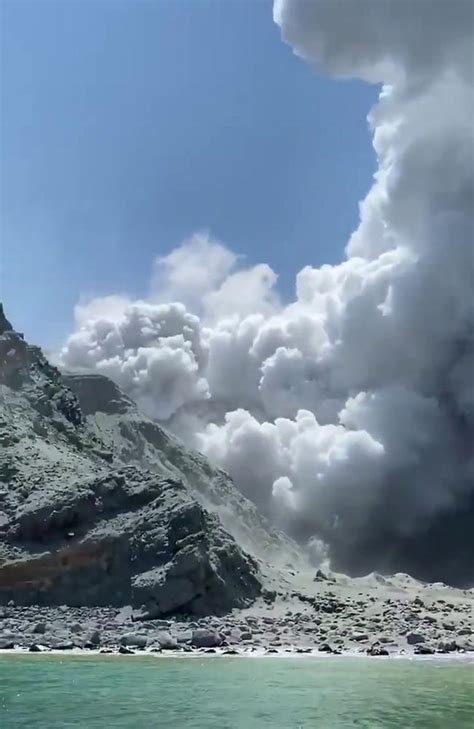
[79,526]
[98,394]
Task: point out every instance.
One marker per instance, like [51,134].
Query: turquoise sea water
[47,692]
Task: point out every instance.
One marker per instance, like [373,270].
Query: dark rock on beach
[376,650]
[125,651]
[204,638]
[415,638]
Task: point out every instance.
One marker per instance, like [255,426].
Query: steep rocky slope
[99,506]
[133,439]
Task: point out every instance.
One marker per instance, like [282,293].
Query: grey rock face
[133,439]
[82,523]
[98,394]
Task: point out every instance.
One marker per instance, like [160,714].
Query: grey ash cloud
[348,414]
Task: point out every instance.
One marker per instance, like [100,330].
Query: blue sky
[126,126]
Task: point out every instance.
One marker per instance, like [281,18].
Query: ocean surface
[45,692]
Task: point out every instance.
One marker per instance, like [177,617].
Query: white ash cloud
[347,415]
[166,357]
[206,276]
[153,351]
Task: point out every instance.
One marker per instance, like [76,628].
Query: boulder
[320,576]
[166,641]
[359,637]
[377,650]
[134,640]
[447,646]
[6,644]
[205,638]
[184,636]
[125,651]
[449,626]
[67,645]
[424,650]
[415,638]
[246,635]
[94,638]
[325,648]
[37,648]
[39,628]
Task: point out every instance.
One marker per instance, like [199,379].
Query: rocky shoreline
[361,624]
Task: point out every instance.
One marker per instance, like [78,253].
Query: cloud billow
[348,414]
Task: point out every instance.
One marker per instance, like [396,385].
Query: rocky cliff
[100,506]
